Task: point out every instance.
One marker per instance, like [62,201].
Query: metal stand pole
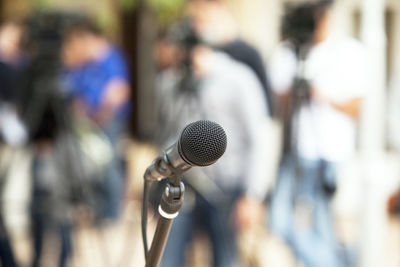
[171,202]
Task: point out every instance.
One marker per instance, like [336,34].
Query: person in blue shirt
[97,74]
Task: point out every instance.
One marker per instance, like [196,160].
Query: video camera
[301,20]
[42,101]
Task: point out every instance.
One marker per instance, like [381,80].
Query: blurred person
[215,26]
[43,108]
[12,131]
[320,80]
[226,197]
[98,75]
[12,62]
[59,164]
[10,55]
[393,204]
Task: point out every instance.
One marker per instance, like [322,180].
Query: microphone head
[202,143]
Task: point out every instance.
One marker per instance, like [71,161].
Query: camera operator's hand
[79,108]
[350,107]
[318,97]
[248,212]
[103,116]
[116,95]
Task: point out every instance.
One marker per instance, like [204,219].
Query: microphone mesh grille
[202,143]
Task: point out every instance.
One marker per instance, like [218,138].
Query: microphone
[201,143]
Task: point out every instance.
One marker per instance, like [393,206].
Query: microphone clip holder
[171,200]
[161,169]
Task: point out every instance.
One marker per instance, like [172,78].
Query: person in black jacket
[214,24]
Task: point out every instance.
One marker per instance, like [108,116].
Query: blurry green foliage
[166,5]
[40,3]
[128,4]
[167,10]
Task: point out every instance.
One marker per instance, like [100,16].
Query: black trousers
[6,254]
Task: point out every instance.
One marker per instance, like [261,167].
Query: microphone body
[201,143]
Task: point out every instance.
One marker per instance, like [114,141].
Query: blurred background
[307,91]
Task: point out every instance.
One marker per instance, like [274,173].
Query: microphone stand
[170,204]
[198,138]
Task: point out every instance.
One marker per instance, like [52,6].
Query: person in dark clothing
[6,254]
[10,59]
[245,53]
[7,78]
[215,26]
